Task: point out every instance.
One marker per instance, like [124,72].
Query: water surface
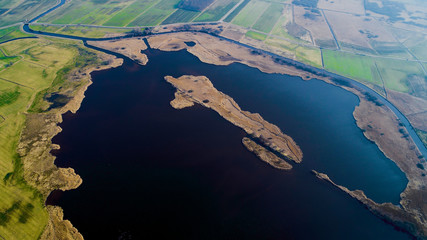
[150,171]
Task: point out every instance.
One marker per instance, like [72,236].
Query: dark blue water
[150,171]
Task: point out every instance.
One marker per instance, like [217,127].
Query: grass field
[310,56]
[351,65]
[181,16]
[420,49]
[38,69]
[249,14]
[236,11]
[22,211]
[390,49]
[156,14]
[423,136]
[279,28]
[256,35]
[402,76]
[90,32]
[85,12]
[217,10]
[15,11]
[125,16]
[7,34]
[269,18]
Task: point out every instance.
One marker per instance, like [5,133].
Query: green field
[7,34]
[280,30]
[39,68]
[90,32]
[351,65]
[14,11]
[128,14]
[423,136]
[390,49]
[310,56]
[22,210]
[256,35]
[269,18]
[85,12]
[217,10]
[156,14]
[402,76]
[181,16]
[236,11]
[250,14]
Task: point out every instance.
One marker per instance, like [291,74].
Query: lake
[151,171]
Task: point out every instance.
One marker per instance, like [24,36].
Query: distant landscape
[379,43]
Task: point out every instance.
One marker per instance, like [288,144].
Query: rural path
[330,28]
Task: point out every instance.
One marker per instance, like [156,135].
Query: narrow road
[330,28]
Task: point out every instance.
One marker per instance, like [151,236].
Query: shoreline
[200,90]
[36,143]
[211,53]
[391,143]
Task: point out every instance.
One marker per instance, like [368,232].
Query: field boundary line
[143,12]
[231,10]
[163,19]
[256,20]
[381,78]
[22,85]
[332,31]
[206,8]
[101,23]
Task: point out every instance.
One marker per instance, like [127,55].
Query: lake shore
[200,90]
[377,121]
[370,115]
[36,144]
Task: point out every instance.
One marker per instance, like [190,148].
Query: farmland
[90,32]
[256,35]
[126,15]
[23,215]
[268,19]
[215,11]
[180,16]
[156,14]
[351,65]
[9,33]
[15,11]
[252,11]
[423,136]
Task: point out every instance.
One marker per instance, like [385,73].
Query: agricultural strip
[16,11]
[90,32]
[269,18]
[125,16]
[181,16]
[236,11]
[156,14]
[256,35]
[252,11]
[216,10]
[351,65]
[10,33]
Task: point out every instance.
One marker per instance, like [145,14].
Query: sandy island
[199,89]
